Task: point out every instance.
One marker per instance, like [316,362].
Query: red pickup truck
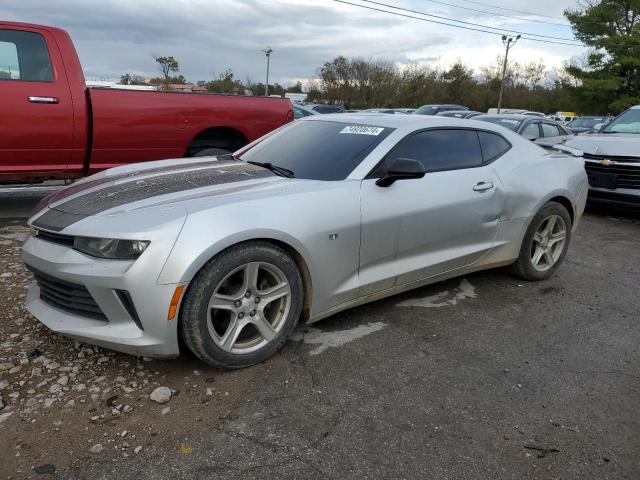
[52,126]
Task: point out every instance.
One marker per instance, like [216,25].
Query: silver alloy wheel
[248,307]
[548,243]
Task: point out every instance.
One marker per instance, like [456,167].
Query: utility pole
[509,43]
[268,51]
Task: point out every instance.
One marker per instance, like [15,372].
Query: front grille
[67,296]
[66,240]
[623,173]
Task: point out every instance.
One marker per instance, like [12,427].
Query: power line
[501,30]
[500,7]
[499,14]
[449,24]
[624,45]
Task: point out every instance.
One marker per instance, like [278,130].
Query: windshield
[317,150]
[585,122]
[510,123]
[426,110]
[628,122]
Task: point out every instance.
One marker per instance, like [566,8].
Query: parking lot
[480,377]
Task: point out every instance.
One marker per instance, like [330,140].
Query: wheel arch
[229,138]
[293,248]
[566,203]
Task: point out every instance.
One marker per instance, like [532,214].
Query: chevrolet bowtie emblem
[606,162]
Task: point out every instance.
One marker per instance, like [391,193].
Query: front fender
[192,252]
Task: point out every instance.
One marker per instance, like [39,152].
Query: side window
[440,149]
[493,146]
[9,69]
[549,130]
[531,131]
[24,56]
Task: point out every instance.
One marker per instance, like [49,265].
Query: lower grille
[67,296]
[621,173]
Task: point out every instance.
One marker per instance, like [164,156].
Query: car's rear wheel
[242,306]
[545,243]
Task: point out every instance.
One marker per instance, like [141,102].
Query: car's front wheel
[242,306]
[545,243]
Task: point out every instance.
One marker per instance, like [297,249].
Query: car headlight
[110,248]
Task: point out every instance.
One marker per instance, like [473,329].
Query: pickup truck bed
[54,127]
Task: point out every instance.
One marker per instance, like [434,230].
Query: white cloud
[209,36]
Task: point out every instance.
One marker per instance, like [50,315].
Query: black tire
[194,315]
[523,267]
[211,152]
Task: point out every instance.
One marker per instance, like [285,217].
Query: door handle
[37,99]
[482,186]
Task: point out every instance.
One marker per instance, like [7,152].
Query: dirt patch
[64,403]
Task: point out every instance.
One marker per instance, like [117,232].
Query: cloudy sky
[209,36]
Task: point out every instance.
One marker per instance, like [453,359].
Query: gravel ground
[481,377]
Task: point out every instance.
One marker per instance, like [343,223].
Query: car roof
[513,116]
[406,123]
[442,105]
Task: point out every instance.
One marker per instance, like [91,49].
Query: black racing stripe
[55,220]
[78,187]
[143,188]
[92,203]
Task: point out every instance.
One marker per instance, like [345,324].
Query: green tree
[296,88]
[129,79]
[610,75]
[167,65]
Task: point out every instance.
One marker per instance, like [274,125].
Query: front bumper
[150,334]
[624,197]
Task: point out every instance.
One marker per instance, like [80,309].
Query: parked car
[390,111]
[326,108]
[53,126]
[542,131]
[301,111]
[563,117]
[408,111]
[326,213]
[459,114]
[585,124]
[437,108]
[612,160]
[516,111]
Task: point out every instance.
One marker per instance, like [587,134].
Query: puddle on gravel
[335,338]
[443,299]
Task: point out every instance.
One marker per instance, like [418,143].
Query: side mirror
[598,126]
[401,169]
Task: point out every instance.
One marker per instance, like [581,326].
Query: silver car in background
[227,254]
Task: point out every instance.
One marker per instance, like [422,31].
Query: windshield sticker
[512,122]
[362,130]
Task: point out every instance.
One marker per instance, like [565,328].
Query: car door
[418,228]
[552,134]
[36,119]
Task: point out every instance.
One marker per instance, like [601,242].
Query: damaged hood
[156,184]
[614,144]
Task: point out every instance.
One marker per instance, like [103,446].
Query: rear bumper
[624,197]
[150,334]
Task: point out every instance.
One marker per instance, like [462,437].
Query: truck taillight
[289,115]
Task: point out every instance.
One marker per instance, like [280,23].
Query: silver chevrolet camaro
[225,255]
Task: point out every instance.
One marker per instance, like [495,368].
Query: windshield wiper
[283,172]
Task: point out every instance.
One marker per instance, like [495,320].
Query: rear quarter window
[492,145]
